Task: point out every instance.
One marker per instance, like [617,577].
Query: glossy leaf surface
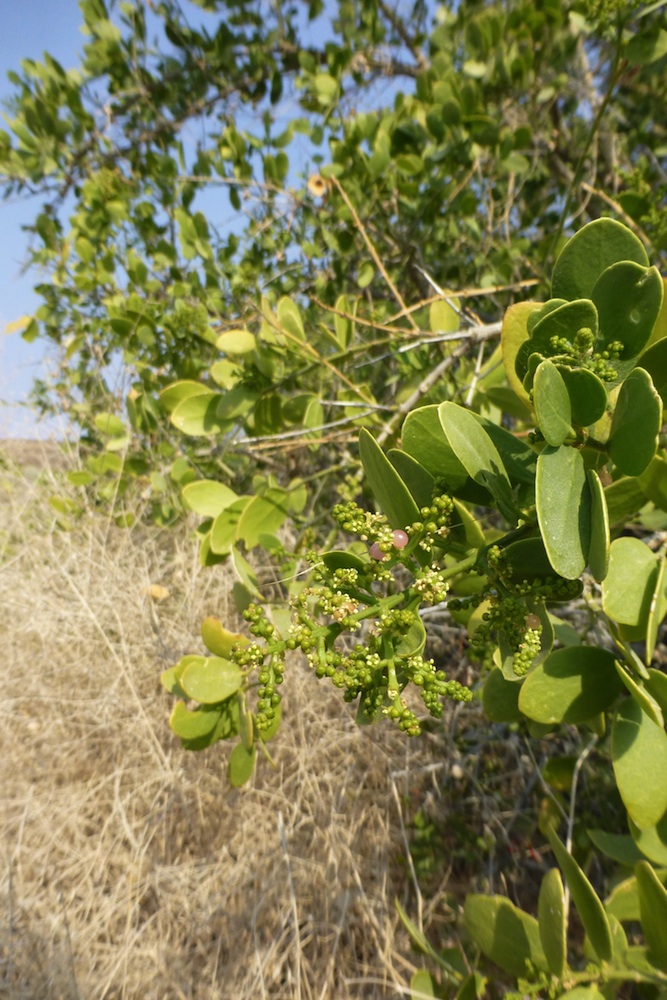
[572,685]
[564,509]
[639,749]
[633,439]
[590,252]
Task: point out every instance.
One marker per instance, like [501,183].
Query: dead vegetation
[129,867]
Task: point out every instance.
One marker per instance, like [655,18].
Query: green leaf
[653,482]
[241,765]
[198,416]
[519,459]
[572,685]
[639,749]
[190,725]
[564,509]
[262,516]
[421,985]
[563,322]
[528,560]
[624,497]
[366,274]
[176,393]
[513,335]
[110,425]
[633,439]
[246,576]
[500,698]
[342,325]
[654,361]
[628,588]
[463,523]
[552,404]
[420,940]
[590,252]
[225,527]
[478,454]
[653,911]
[628,298]
[652,841]
[210,679]
[508,936]
[586,900]
[388,488]
[336,559]
[236,342]
[643,697]
[552,920]
[416,478]
[588,396]
[207,497]
[618,847]
[413,641]
[424,439]
[598,553]
[289,317]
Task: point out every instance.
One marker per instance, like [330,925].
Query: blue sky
[28,28]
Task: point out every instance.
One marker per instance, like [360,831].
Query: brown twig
[371,249]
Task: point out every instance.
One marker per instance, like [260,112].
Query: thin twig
[485,332]
[371,249]
[628,220]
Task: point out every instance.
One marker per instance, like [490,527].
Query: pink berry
[376,552]
[400,539]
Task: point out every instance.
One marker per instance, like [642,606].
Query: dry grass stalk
[129,867]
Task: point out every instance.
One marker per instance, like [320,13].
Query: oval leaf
[514,333]
[639,749]
[628,299]
[504,933]
[630,583]
[588,396]
[633,439]
[552,404]
[590,252]
[500,698]
[210,679]
[564,509]
[572,685]
[552,920]
[207,497]
[191,725]
[241,765]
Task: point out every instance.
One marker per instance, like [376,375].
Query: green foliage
[510,536]
[165,260]
[521,488]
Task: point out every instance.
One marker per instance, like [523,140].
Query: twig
[480,333]
[628,220]
[371,249]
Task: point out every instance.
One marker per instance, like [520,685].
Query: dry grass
[129,868]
